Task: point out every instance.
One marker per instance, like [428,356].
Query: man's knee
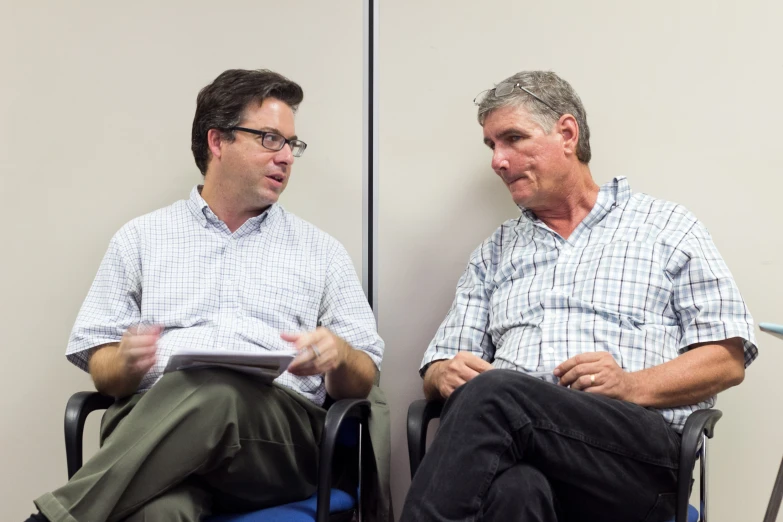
[521,489]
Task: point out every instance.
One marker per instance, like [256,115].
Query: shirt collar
[200,209]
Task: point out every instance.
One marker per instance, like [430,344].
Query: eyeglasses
[274,141]
[504,89]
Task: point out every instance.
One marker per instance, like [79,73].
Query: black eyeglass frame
[509,92]
[291,143]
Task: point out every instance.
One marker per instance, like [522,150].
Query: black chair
[698,428]
[345,426]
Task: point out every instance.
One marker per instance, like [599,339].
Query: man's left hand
[320,352]
[596,372]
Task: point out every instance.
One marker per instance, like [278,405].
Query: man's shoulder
[507,230]
[665,214]
[490,250]
[300,229]
[160,219]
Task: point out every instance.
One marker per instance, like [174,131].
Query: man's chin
[521,200]
[268,197]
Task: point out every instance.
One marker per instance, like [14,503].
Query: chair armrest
[420,413]
[79,406]
[700,422]
[339,412]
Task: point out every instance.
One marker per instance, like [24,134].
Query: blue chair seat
[301,511]
[693,514]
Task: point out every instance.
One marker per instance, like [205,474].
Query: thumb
[290,337]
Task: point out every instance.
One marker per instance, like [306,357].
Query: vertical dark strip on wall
[370,239]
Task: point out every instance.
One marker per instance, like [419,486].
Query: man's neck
[569,210]
[227,208]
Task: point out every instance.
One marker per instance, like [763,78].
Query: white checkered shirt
[180,267]
[639,278]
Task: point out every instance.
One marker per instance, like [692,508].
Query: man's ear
[214,142]
[569,130]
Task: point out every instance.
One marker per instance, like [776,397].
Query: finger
[477,363]
[145,329]
[143,365]
[137,341]
[585,382]
[578,371]
[300,361]
[290,337]
[465,373]
[140,352]
[448,387]
[304,368]
[305,356]
[583,358]
[304,339]
[564,367]
[308,361]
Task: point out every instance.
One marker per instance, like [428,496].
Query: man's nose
[499,160]
[285,155]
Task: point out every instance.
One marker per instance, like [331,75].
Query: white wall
[96,102]
[96,105]
[682,97]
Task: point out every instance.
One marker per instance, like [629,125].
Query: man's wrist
[431,378]
[635,392]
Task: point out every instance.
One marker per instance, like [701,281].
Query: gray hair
[553,91]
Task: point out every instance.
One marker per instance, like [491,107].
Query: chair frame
[699,427]
[81,404]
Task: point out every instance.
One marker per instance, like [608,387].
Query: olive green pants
[200,441]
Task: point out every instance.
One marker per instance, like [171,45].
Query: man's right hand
[138,349]
[117,368]
[443,377]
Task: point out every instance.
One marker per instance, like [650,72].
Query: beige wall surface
[96,104]
[682,97]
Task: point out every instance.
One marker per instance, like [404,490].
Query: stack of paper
[264,364]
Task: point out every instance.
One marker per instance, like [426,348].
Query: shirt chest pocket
[625,278]
[292,304]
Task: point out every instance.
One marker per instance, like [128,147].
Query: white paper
[264,364]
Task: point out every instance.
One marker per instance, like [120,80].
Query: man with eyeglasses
[228,268]
[582,335]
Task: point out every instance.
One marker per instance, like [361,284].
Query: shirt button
[551,349]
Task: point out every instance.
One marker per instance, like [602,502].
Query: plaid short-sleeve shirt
[181,267]
[639,278]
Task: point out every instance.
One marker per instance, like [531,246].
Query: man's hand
[443,377]
[320,352]
[117,368]
[596,372]
[138,349]
[348,373]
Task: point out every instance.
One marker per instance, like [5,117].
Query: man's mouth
[510,180]
[277,177]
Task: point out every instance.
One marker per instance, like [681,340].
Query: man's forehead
[507,118]
[270,112]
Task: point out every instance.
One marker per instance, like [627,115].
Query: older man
[605,316]
[227,268]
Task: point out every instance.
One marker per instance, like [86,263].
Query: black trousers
[514,448]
